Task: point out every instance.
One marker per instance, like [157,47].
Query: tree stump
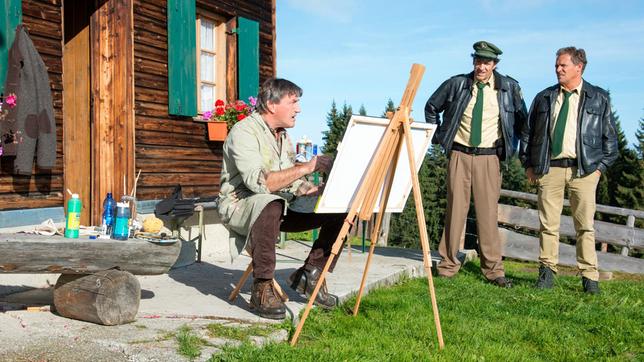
[109,297]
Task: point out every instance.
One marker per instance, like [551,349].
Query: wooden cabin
[129,79]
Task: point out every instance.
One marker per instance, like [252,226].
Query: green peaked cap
[486,50]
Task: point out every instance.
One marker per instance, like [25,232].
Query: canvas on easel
[355,153]
[374,188]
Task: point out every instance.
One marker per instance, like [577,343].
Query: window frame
[220,57]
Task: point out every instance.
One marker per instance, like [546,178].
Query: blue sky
[360,52]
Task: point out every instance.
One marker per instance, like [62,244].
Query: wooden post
[374,180]
[630,222]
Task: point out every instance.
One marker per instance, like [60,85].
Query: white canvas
[355,152]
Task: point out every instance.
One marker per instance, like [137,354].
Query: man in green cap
[483,112]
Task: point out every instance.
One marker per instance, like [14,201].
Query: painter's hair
[273,90]
[577,55]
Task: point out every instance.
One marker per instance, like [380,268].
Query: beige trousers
[478,177]
[582,202]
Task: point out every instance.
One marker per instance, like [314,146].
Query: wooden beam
[26,253]
[113,98]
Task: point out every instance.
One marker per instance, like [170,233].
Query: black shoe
[590,286]
[546,278]
[304,281]
[265,300]
[502,282]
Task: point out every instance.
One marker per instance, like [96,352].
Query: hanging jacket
[33,117]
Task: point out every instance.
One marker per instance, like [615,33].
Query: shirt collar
[576,90]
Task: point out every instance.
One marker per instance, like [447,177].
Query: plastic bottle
[107,222]
[121,229]
[72,225]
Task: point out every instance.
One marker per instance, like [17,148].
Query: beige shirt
[490,130]
[569,149]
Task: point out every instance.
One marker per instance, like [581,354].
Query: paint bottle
[121,229]
[72,225]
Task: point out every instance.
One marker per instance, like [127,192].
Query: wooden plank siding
[173,150]
[42,18]
[169,150]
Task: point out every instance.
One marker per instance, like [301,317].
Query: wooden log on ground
[525,247]
[27,253]
[109,297]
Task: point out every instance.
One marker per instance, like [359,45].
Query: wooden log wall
[43,188]
[173,150]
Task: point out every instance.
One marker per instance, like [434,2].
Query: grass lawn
[480,322]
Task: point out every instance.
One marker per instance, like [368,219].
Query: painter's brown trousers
[266,229]
[478,176]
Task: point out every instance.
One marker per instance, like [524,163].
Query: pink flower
[207,115]
[10,100]
[219,103]
[252,100]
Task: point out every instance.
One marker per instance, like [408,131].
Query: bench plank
[525,247]
[605,232]
[30,254]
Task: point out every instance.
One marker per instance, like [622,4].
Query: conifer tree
[333,135]
[362,111]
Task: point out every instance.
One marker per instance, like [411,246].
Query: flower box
[217,131]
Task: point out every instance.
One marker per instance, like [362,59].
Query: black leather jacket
[596,136]
[454,94]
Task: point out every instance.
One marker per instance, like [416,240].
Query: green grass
[189,343]
[243,333]
[480,322]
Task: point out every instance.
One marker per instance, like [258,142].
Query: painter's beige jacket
[250,151]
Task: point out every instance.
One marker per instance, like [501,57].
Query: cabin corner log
[109,297]
[31,254]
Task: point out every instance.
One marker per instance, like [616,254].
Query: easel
[380,176]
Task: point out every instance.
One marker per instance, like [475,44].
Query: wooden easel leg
[376,230]
[422,228]
[241,282]
[334,253]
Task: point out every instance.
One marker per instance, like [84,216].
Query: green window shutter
[248,57]
[10,17]
[182,58]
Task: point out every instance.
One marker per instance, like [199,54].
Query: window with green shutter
[10,17]
[182,58]
[247,57]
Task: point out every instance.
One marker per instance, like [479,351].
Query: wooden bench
[524,247]
[97,282]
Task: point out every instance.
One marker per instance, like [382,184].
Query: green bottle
[73,217]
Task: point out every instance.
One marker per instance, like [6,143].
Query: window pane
[207,97]
[207,35]
[208,67]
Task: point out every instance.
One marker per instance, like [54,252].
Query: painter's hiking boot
[590,286]
[304,281]
[265,300]
[546,278]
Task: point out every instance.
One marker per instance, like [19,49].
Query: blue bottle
[121,229]
[107,222]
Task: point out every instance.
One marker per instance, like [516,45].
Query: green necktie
[560,126]
[477,117]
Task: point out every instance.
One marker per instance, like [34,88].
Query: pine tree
[389,108]
[362,111]
[334,134]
